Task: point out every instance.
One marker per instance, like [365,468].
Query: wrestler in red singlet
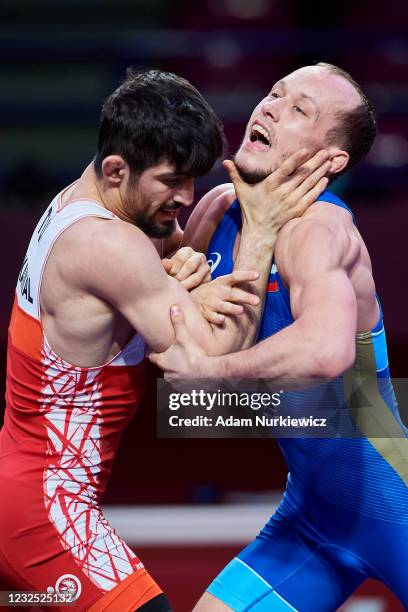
[62,428]
[63,422]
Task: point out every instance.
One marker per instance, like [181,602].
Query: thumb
[180,329]
[231,168]
[167,264]
[153,358]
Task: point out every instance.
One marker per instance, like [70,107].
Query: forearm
[255,253]
[289,354]
[154,325]
[320,343]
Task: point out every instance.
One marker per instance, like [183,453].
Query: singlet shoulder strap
[328,196]
[52,224]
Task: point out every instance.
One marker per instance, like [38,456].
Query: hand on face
[222,296]
[284,194]
[188,267]
[184,358]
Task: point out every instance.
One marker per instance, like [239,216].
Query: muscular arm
[124,270]
[255,250]
[265,206]
[321,341]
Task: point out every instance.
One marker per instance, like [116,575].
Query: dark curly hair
[156,116]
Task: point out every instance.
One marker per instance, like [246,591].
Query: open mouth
[170,212]
[259,134]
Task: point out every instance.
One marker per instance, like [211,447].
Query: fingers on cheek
[303,172]
[281,196]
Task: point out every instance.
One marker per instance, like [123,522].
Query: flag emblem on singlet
[273,286]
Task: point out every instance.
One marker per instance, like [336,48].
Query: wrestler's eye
[274,94]
[172,182]
[297,109]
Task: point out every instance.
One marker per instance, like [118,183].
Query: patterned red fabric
[62,428]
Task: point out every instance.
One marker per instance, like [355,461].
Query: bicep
[327,302]
[149,313]
[321,292]
[130,277]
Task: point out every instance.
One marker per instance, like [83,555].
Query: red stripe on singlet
[272,286]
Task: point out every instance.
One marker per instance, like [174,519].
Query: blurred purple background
[58,65]
[60,60]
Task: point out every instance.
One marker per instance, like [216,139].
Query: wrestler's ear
[339,160]
[114,169]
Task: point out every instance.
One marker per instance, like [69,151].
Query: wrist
[264,239]
[257,234]
[207,367]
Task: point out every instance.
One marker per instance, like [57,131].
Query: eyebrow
[304,96]
[171,175]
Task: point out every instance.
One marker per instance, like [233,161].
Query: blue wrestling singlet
[344,514]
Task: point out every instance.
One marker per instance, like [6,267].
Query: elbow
[331,362]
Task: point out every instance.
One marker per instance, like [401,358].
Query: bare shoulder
[324,236]
[96,247]
[222,195]
[106,235]
[206,216]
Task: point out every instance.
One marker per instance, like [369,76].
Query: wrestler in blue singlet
[344,514]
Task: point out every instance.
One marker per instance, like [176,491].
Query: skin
[79,294]
[298,112]
[321,257]
[114,283]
